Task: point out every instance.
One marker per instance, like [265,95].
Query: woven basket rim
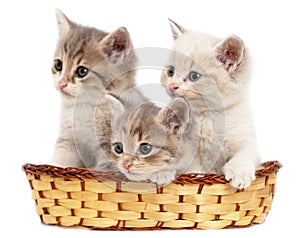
[68,173]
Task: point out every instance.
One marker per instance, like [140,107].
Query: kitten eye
[194,76]
[171,71]
[81,71]
[118,147]
[58,65]
[145,148]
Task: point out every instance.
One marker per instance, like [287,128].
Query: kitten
[88,64]
[213,75]
[154,143]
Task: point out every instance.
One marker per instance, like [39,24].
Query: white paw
[162,177]
[238,174]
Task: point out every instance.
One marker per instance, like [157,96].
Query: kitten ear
[177,30]
[63,22]
[117,109]
[116,45]
[114,102]
[230,52]
[175,116]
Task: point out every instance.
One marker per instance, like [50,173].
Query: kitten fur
[168,130]
[219,98]
[88,64]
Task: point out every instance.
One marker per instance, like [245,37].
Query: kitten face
[69,74]
[147,143]
[80,50]
[208,65]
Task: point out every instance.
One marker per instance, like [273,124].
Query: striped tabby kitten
[213,76]
[89,63]
[154,143]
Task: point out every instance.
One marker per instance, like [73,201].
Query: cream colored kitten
[213,75]
[88,64]
[154,143]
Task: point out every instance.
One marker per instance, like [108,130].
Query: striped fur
[85,126]
[147,123]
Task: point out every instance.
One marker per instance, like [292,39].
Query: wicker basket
[79,197]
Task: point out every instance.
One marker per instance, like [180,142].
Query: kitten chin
[158,168]
[159,160]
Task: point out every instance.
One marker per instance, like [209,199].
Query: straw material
[78,197]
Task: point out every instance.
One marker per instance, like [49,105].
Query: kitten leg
[240,169]
[163,177]
[65,154]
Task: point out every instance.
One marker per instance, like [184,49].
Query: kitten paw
[240,175]
[163,177]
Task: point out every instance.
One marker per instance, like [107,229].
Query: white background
[30,105]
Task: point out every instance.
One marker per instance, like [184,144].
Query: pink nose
[62,85]
[127,165]
[173,87]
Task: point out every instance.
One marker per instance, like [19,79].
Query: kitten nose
[62,85]
[127,165]
[173,87]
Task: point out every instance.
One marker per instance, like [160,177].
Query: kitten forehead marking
[82,43]
[140,122]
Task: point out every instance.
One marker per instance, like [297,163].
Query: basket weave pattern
[79,197]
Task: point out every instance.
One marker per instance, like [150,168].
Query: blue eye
[145,148]
[194,76]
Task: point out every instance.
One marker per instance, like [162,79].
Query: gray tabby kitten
[214,76]
[154,143]
[88,64]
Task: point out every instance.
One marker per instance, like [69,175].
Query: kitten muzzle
[127,165]
[62,85]
[173,87]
